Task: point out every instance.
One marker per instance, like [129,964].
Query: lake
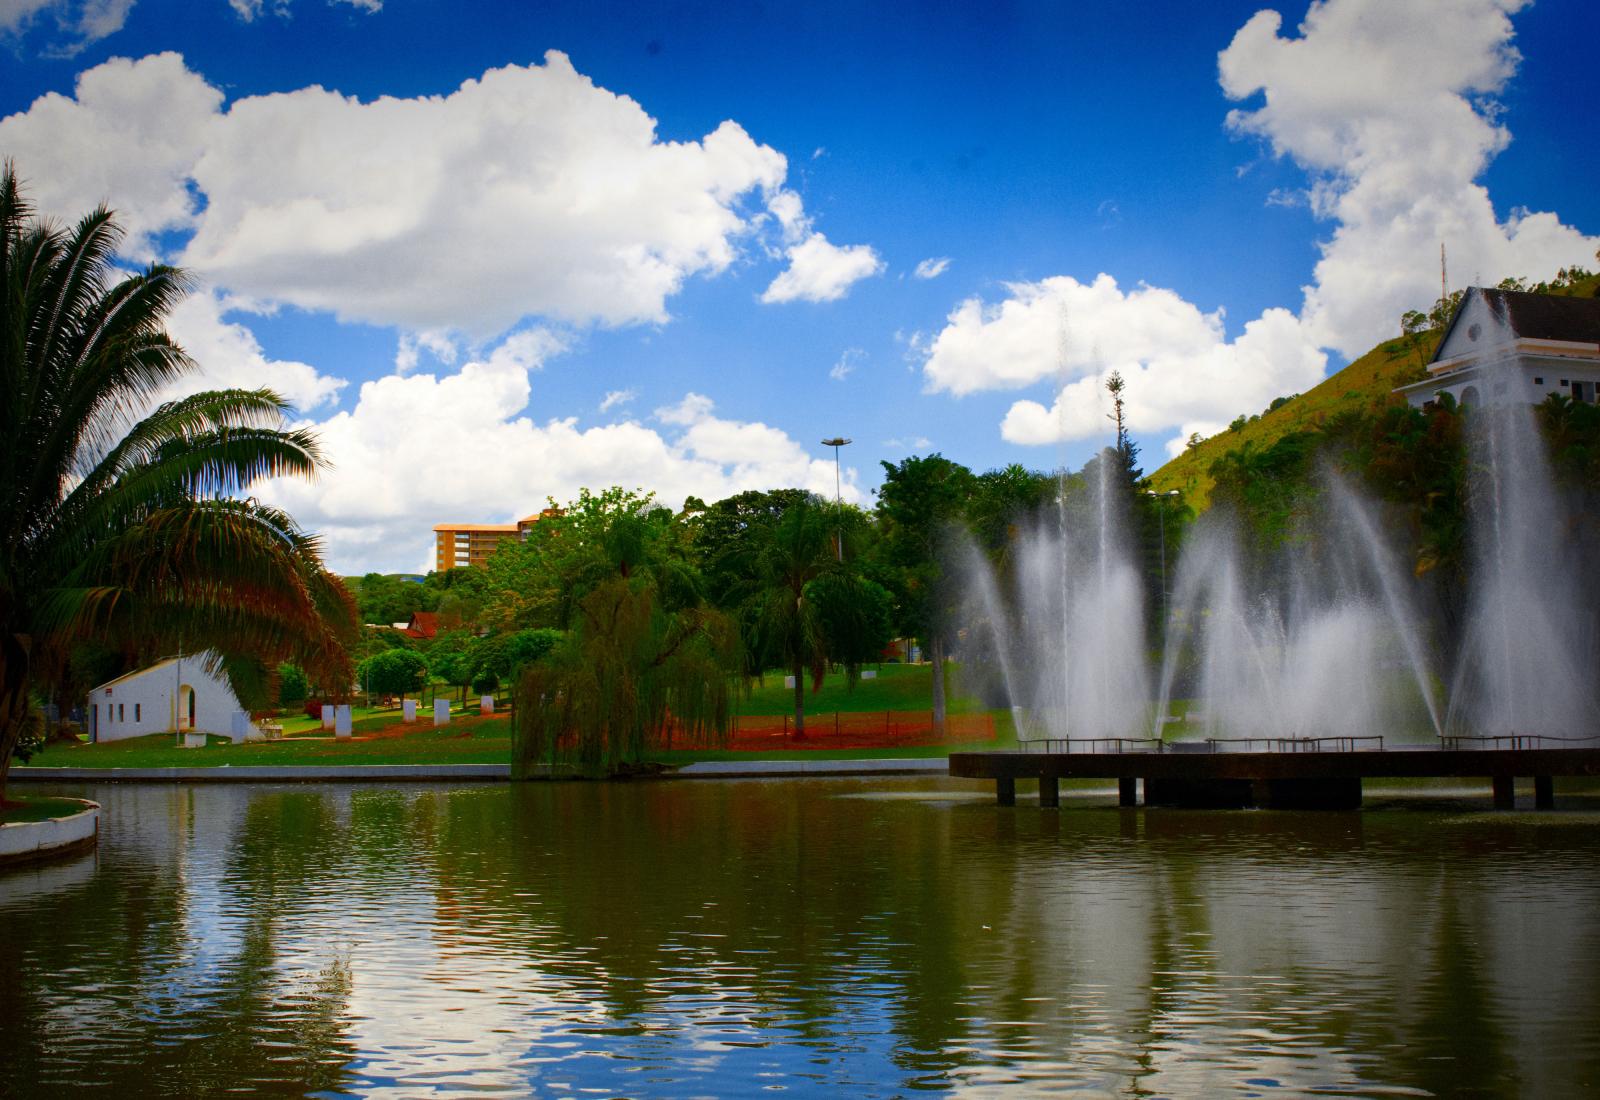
[815,937]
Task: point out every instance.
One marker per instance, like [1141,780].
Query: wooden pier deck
[1296,777]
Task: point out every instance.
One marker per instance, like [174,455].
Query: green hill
[1366,382]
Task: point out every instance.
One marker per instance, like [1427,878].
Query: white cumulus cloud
[932,267]
[77,23]
[820,271]
[398,456]
[131,134]
[230,357]
[529,191]
[1180,368]
[1384,104]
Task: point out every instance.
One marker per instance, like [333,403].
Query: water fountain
[1527,662]
[1064,623]
[1325,640]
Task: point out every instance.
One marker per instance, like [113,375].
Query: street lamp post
[838,495]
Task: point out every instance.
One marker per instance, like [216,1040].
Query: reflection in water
[716,938]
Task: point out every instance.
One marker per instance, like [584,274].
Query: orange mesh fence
[858,729]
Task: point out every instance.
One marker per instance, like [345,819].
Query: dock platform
[1286,773]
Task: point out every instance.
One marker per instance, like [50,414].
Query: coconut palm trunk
[799,699]
[936,653]
[13,701]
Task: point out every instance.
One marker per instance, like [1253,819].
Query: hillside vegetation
[1366,382]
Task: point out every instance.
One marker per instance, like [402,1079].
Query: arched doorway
[1469,396]
[185,708]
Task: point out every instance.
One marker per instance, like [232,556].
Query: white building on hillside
[141,702]
[1504,345]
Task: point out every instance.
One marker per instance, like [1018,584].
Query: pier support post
[1544,792]
[1005,791]
[1049,790]
[1505,797]
[1127,790]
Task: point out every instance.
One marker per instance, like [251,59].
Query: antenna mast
[1444,280]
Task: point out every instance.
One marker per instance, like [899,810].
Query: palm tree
[124,529]
[805,601]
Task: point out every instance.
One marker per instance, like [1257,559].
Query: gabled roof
[424,624]
[198,659]
[1534,316]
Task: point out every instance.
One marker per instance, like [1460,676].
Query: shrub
[292,686]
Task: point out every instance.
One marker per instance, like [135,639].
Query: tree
[125,530]
[293,687]
[393,672]
[645,661]
[386,600]
[499,658]
[450,658]
[726,537]
[789,625]
[1002,498]
[919,501]
[538,582]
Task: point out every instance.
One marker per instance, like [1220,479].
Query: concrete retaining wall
[414,773]
[22,841]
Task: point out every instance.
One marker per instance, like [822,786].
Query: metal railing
[1373,743]
[1090,744]
[1512,741]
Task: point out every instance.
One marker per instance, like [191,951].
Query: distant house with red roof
[423,624]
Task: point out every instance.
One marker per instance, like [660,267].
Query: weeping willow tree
[645,665]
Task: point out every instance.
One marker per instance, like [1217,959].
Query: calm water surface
[813,937]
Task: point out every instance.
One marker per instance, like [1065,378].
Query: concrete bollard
[486,704]
[327,716]
[441,712]
[341,721]
[410,709]
[240,730]
[193,740]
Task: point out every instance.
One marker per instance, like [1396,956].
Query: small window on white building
[1563,383]
[121,713]
[1538,380]
[136,712]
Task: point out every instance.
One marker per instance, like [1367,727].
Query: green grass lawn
[39,809]
[897,687]
[900,688]
[485,742]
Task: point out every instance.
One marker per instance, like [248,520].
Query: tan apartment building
[472,543]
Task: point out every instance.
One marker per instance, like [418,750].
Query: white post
[341,721]
[327,716]
[486,704]
[441,712]
[410,708]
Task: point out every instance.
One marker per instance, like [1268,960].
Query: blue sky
[453,282]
